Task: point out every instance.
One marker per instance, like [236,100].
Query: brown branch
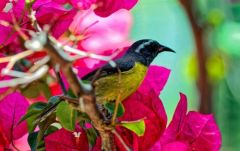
[121,140]
[204,86]
[87,100]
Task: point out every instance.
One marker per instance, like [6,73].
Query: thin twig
[13,59]
[17,56]
[118,98]
[24,80]
[81,53]
[121,140]
[18,29]
[39,63]
[59,79]
[34,68]
[69,99]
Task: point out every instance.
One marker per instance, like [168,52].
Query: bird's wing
[123,64]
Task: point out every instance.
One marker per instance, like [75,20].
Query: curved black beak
[166,49]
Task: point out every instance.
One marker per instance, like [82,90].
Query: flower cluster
[100,27]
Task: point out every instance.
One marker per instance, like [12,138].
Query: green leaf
[137,127]
[33,112]
[66,115]
[91,132]
[43,86]
[32,140]
[43,126]
[110,107]
[31,91]
[34,109]
[29,1]
[35,89]
[91,135]
[68,6]
[51,129]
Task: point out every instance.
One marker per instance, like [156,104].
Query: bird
[119,82]
[123,80]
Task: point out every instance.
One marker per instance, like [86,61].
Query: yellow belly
[123,85]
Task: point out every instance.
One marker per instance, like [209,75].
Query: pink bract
[3,139]
[12,108]
[7,12]
[53,13]
[82,4]
[192,131]
[101,36]
[201,132]
[174,146]
[63,140]
[22,143]
[106,7]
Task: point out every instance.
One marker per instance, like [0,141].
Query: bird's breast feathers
[120,85]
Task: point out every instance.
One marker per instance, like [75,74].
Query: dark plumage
[132,66]
[142,51]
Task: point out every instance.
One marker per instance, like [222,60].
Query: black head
[146,50]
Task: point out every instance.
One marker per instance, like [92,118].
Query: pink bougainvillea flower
[22,143]
[103,8]
[53,13]
[63,140]
[107,7]
[190,131]
[176,122]
[55,89]
[201,132]
[179,146]
[12,108]
[100,35]
[3,140]
[82,4]
[50,12]
[8,9]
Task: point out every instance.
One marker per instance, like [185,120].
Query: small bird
[124,79]
[117,83]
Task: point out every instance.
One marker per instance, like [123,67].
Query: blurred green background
[218,22]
